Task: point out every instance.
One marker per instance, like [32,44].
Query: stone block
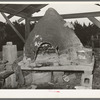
[86,80]
[58,77]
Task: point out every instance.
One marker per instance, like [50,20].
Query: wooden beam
[61,68]
[8,21]
[27,28]
[81,15]
[37,9]
[21,19]
[95,21]
[19,14]
[1,6]
[72,16]
[18,11]
[33,11]
[10,16]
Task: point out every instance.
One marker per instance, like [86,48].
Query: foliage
[85,32]
[8,34]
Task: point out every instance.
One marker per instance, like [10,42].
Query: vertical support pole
[92,41]
[27,28]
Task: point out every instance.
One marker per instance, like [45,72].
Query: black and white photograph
[50,46]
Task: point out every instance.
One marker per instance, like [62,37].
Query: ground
[96,78]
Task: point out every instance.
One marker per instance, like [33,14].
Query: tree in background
[3,33]
[12,36]
[85,32]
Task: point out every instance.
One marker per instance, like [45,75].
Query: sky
[66,8]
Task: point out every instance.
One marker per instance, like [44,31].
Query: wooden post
[27,28]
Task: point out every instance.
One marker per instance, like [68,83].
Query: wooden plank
[37,9]
[10,16]
[8,21]
[33,11]
[72,16]
[61,68]
[27,28]
[18,11]
[12,13]
[95,21]
[2,5]
[20,19]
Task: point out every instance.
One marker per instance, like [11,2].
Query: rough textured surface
[58,77]
[51,29]
[18,71]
